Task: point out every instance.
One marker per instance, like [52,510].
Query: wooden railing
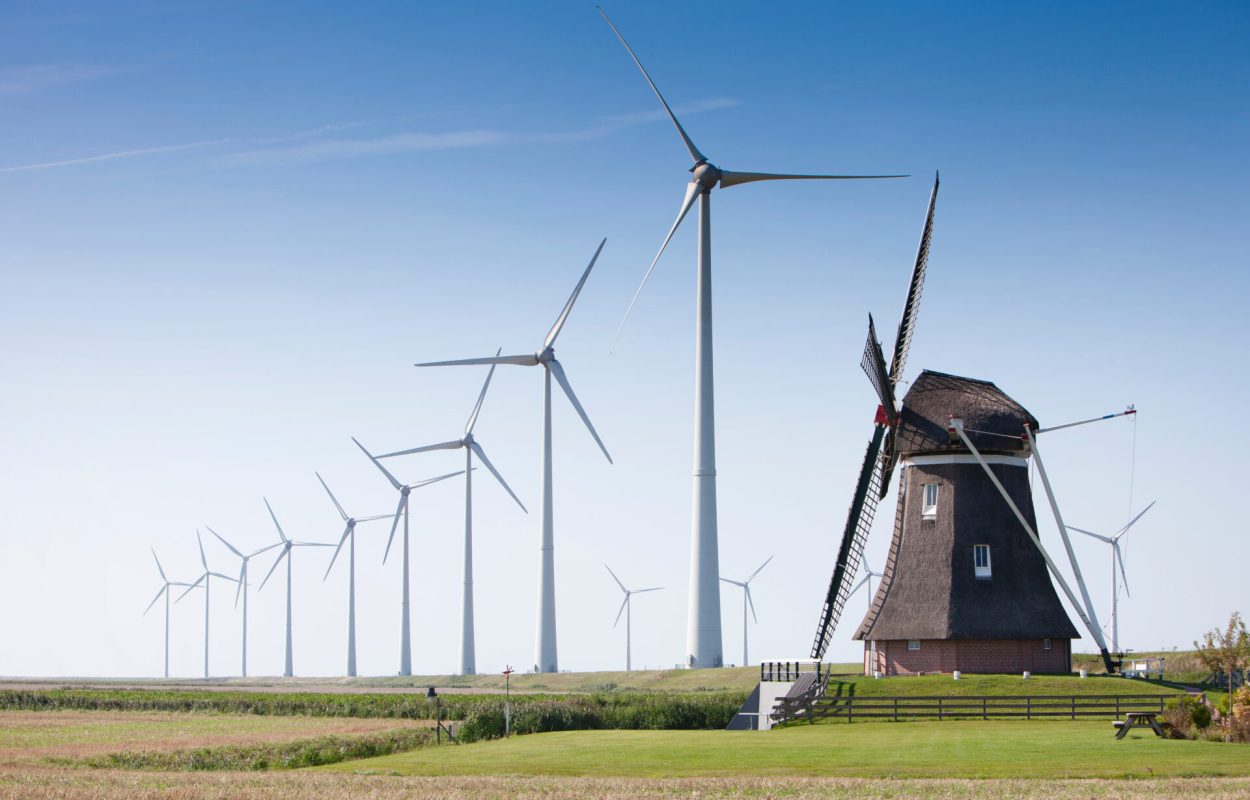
[811,709]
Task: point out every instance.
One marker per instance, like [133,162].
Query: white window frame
[1046,644]
[913,644]
[982,571]
[928,510]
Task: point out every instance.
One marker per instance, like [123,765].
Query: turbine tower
[747,601]
[405,633]
[468,660]
[703,626]
[164,591]
[243,587]
[626,608]
[349,536]
[1116,558]
[204,579]
[287,546]
[545,656]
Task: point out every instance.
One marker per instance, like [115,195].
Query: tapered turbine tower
[204,581]
[243,587]
[164,591]
[545,657]
[703,628]
[287,546]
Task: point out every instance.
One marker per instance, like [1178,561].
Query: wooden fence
[1000,706]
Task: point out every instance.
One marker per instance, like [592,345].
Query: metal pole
[167,630]
[244,587]
[545,659]
[351,603]
[207,580]
[745,660]
[703,629]
[629,634]
[468,664]
[288,671]
[405,632]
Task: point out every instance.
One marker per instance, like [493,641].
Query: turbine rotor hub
[547,356]
[706,175]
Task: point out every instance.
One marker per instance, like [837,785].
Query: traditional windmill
[962,589]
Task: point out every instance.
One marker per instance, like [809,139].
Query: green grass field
[990,685]
[973,749]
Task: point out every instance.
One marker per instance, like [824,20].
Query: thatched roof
[935,396]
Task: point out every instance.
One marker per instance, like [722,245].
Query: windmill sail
[878,467]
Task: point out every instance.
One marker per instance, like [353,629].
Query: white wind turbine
[869,574]
[747,601]
[164,591]
[405,635]
[626,608]
[703,624]
[545,656]
[468,665]
[1116,558]
[287,546]
[205,579]
[349,536]
[243,587]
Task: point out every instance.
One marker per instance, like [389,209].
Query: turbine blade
[346,532]
[692,191]
[618,580]
[198,581]
[223,541]
[200,542]
[861,582]
[428,481]
[751,603]
[403,503]
[622,611]
[735,583]
[757,572]
[652,589]
[468,427]
[427,448]
[242,579]
[1098,536]
[568,307]
[265,549]
[219,575]
[159,568]
[1120,560]
[377,464]
[274,517]
[522,360]
[164,589]
[286,551]
[728,178]
[480,453]
[562,379]
[694,151]
[1133,521]
[333,499]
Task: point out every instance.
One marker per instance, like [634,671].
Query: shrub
[1187,717]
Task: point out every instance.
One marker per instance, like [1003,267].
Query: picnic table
[1138,719]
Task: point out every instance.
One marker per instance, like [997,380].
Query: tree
[1226,651]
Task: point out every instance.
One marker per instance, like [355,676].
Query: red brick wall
[1002,656]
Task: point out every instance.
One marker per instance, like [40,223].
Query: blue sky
[229,229]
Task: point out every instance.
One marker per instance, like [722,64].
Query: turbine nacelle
[547,355]
[706,175]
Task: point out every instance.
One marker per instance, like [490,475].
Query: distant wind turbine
[349,536]
[243,587]
[1116,558]
[626,608]
[287,546]
[468,660]
[545,656]
[703,625]
[747,601]
[164,591]
[405,635]
[867,579]
[204,579]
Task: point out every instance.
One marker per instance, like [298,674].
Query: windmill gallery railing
[937,707]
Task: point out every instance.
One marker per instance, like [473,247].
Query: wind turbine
[869,574]
[703,625]
[626,609]
[471,446]
[1116,558]
[349,536]
[405,635]
[287,546]
[243,584]
[747,601]
[205,579]
[545,659]
[164,591]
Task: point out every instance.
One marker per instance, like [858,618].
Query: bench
[1138,719]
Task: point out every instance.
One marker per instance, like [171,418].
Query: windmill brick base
[968,655]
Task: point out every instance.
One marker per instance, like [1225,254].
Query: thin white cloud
[330,149]
[26,79]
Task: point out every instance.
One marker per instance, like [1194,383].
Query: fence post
[1117,707]
[1074,707]
[939,709]
[896,709]
[1028,708]
[983,702]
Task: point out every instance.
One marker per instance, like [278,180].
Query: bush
[1187,716]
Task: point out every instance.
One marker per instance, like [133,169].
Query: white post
[244,588]
[288,671]
[629,634]
[167,630]
[545,659]
[207,580]
[745,662]
[703,629]
[1115,596]
[405,633]
[351,603]
[467,657]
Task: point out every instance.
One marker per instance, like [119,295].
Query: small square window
[913,644]
[981,560]
[928,509]
[1046,644]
